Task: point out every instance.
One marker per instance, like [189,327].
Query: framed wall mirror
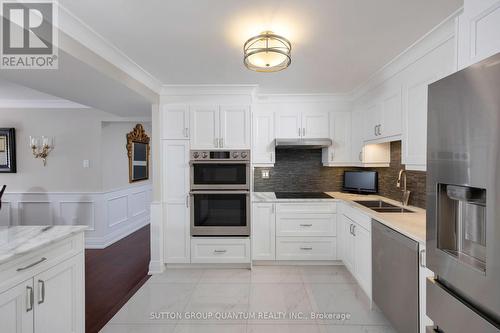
[7,150]
[138,154]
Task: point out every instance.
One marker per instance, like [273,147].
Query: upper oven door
[206,175]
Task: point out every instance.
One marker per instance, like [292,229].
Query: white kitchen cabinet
[315,124]
[293,224]
[356,251]
[372,115]
[339,153]
[263,231]
[214,127]
[175,122]
[363,257]
[357,138]
[42,291]
[433,66]
[306,248]
[263,150]
[478,31]
[288,124]
[16,308]
[205,127]
[383,116]
[58,297]
[214,250]
[292,124]
[175,161]
[235,127]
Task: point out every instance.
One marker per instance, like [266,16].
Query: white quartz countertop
[412,225]
[20,240]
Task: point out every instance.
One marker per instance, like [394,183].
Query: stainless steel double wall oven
[220,193]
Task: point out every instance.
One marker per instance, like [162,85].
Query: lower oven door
[220,213]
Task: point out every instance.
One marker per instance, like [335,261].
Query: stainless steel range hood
[303,143]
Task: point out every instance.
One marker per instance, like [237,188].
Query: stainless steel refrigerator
[463,200]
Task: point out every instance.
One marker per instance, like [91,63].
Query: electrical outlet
[265,174]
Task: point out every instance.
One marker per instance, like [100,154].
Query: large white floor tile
[226,276]
[284,328]
[209,328]
[358,329]
[155,299]
[178,275]
[346,299]
[326,274]
[138,328]
[276,274]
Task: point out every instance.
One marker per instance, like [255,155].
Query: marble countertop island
[412,225]
[20,240]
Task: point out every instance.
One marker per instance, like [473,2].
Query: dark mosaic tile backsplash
[301,170]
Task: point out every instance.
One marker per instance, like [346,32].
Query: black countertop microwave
[364,182]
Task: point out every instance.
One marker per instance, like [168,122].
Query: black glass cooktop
[302,195]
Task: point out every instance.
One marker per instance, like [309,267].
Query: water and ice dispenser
[462,224]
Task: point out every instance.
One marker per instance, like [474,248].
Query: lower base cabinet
[306,248]
[213,250]
[47,295]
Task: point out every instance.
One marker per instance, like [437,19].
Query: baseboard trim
[103,242]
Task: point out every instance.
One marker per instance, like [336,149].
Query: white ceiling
[336,44]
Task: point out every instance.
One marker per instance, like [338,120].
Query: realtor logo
[29,37]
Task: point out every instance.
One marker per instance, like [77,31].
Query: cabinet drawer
[220,250]
[357,216]
[288,224]
[32,263]
[307,208]
[306,248]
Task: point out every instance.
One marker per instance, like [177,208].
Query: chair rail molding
[109,215]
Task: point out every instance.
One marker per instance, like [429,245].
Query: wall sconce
[41,147]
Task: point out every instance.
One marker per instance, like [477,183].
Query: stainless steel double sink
[382,206]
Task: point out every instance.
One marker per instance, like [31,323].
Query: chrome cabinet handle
[353,230]
[31,265]
[41,291]
[29,298]
[220,251]
[299,131]
[306,225]
[187,201]
[375,130]
[360,156]
[422,258]
[380,129]
[304,131]
[306,248]
[186,132]
[350,229]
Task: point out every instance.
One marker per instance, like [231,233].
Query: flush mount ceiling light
[267,52]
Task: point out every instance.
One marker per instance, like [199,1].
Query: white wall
[64,192]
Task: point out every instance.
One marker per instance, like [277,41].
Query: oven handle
[246,162]
[219,192]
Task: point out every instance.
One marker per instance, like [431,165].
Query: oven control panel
[220,155]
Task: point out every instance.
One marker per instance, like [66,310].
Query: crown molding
[74,27]
[441,33]
[40,104]
[208,89]
[297,98]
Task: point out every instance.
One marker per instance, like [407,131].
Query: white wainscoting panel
[110,216]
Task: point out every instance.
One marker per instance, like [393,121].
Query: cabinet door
[372,117]
[357,137]
[315,124]
[176,201]
[363,258]
[423,273]
[347,244]
[16,308]
[390,124]
[263,137]
[59,298]
[263,231]
[235,127]
[288,125]
[175,122]
[340,126]
[204,126]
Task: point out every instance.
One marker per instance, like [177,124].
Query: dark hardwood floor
[113,275]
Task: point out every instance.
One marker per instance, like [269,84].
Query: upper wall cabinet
[263,150]
[339,153]
[291,124]
[478,31]
[214,127]
[383,116]
[175,122]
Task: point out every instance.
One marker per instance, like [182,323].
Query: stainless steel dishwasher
[395,277]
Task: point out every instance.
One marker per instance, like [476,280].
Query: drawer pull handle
[41,295]
[220,251]
[422,258]
[29,299]
[306,248]
[31,265]
[306,225]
